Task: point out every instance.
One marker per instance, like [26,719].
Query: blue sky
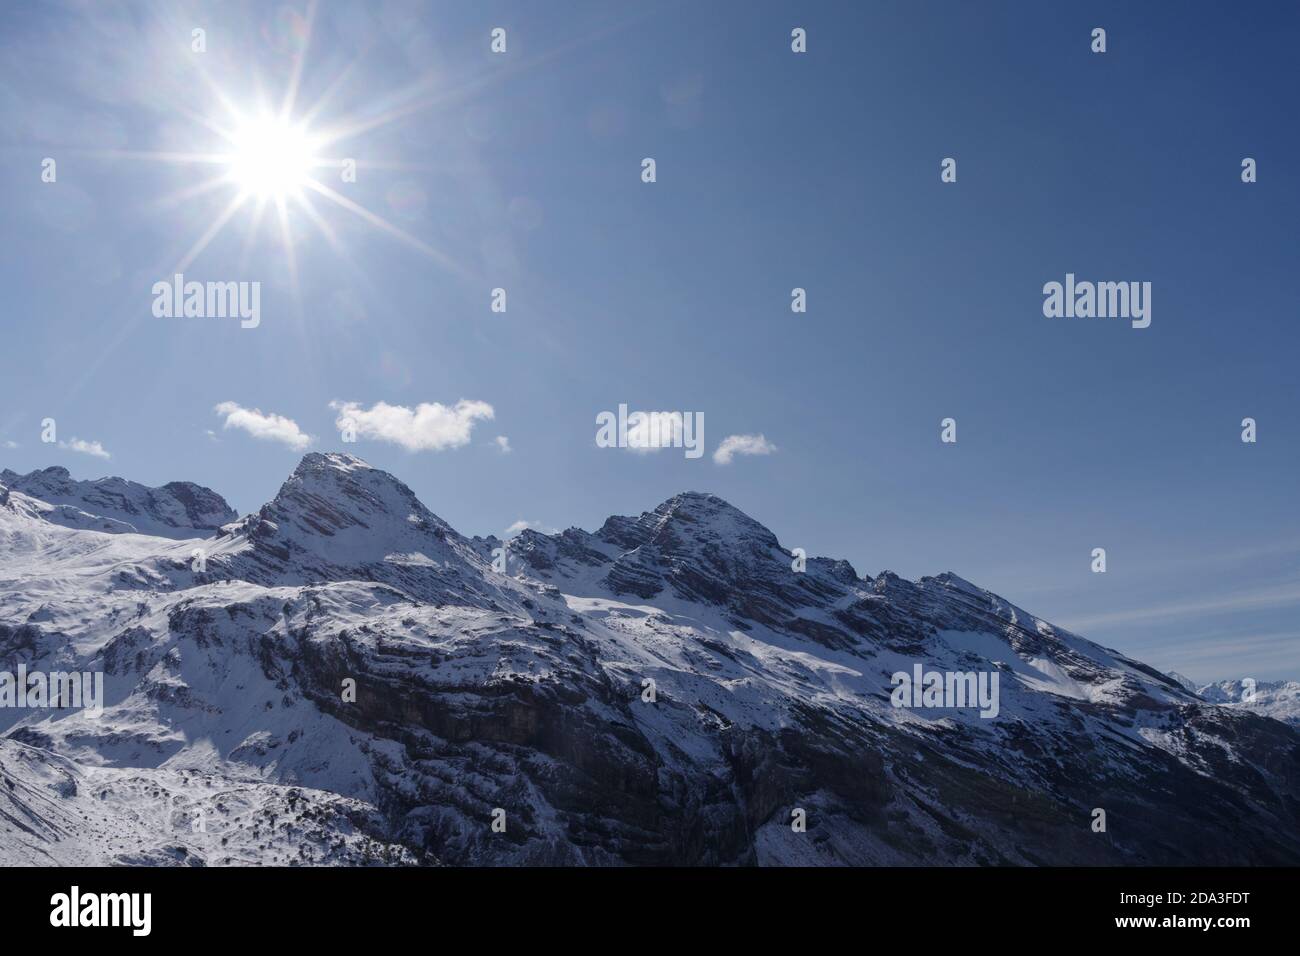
[774,170]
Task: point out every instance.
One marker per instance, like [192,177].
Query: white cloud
[734,445]
[430,426]
[85,447]
[270,427]
[11,444]
[522,525]
[651,431]
[503,443]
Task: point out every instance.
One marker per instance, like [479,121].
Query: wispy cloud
[11,444]
[503,444]
[430,426]
[734,445]
[1281,595]
[85,447]
[1208,657]
[522,525]
[267,426]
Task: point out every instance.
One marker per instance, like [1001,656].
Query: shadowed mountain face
[344,677]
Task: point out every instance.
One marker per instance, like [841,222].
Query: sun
[285,161]
[271,158]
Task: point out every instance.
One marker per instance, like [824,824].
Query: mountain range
[343,678]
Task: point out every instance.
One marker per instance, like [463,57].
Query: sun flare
[282,163]
[271,158]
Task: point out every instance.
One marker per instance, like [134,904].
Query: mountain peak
[687,516]
[316,461]
[953,580]
[330,492]
[339,517]
[53,471]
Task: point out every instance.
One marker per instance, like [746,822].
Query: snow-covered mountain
[179,509]
[342,677]
[1278,699]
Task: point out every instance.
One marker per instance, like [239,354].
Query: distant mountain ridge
[179,509]
[674,687]
[1279,699]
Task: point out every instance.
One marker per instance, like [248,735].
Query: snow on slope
[56,812]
